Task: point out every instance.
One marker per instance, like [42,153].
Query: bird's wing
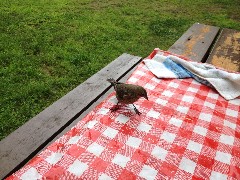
[124,92]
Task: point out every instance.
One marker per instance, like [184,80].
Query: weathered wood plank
[226,52]
[196,42]
[21,145]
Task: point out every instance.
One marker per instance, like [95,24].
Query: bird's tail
[112,81]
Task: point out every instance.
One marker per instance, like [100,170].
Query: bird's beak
[146,97]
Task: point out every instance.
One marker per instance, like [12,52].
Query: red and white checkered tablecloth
[186,131]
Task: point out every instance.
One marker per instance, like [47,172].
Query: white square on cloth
[32,174]
[200,130]
[167,136]
[144,127]
[187,165]
[153,114]
[157,80]
[148,172]
[161,101]
[90,124]
[77,168]
[208,104]
[110,132]
[175,122]
[104,177]
[121,160]
[140,73]
[122,119]
[213,95]
[205,117]
[231,112]
[54,158]
[133,142]
[95,148]
[191,89]
[223,157]
[149,86]
[183,109]
[194,146]
[103,111]
[74,140]
[229,124]
[173,84]
[167,93]
[226,139]
[133,80]
[188,99]
[218,176]
[159,153]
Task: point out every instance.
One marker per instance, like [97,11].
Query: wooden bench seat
[201,43]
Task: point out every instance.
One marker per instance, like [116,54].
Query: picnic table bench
[201,43]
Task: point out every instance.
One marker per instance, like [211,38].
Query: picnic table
[200,43]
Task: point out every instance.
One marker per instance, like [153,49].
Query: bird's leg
[136,110]
[115,107]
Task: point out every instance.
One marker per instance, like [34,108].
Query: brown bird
[127,93]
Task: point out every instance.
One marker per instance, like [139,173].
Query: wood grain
[196,42]
[24,143]
[226,52]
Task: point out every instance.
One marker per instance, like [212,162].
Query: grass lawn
[49,47]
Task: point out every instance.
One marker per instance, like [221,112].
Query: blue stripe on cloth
[177,69]
[182,72]
[198,79]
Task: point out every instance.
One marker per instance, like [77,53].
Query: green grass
[49,47]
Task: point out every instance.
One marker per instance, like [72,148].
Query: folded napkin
[227,84]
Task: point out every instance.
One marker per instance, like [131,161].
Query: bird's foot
[114,108]
[137,111]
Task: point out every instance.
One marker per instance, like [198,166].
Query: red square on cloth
[127,130]
[55,146]
[236,151]
[184,133]
[177,149]
[75,150]
[99,165]
[234,172]
[168,170]
[140,156]
[151,139]
[211,143]
[127,175]
[206,161]
[92,134]
[55,172]
[115,145]
[215,127]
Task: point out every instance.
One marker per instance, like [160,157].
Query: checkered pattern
[186,131]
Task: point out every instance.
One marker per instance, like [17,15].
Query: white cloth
[227,84]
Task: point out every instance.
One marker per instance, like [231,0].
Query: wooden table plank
[196,42]
[24,143]
[226,52]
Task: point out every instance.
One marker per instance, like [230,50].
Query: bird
[127,94]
